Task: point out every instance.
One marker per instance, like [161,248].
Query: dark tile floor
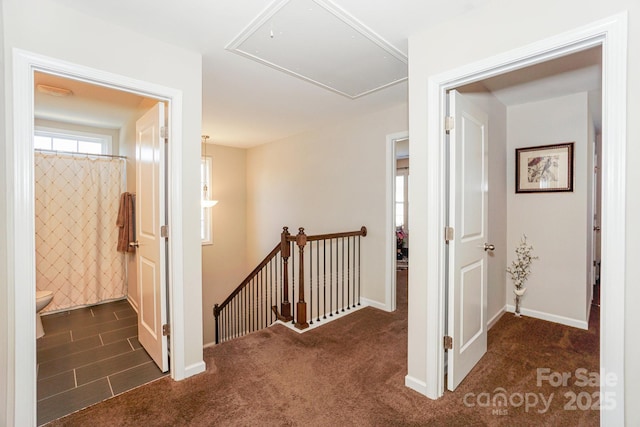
[88,355]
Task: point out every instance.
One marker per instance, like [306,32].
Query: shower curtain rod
[80,154]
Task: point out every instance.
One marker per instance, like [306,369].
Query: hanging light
[205,202]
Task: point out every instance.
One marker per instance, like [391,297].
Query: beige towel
[126,222]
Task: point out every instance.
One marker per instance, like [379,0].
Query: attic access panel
[319,42]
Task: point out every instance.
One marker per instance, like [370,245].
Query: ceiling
[248,103]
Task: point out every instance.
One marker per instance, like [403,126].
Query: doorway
[22,260]
[611,34]
[86,163]
[397,152]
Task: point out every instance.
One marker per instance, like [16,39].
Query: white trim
[575,323]
[390,247]
[329,319]
[415,384]
[495,318]
[195,369]
[366,302]
[104,139]
[208,240]
[611,33]
[20,202]
[339,13]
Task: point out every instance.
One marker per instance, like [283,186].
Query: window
[402,205]
[205,213]
[71,141]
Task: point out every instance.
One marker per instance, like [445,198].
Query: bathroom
[87,289]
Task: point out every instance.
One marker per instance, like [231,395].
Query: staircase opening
[305,280]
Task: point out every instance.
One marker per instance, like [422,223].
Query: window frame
[106,141]
[404,173]
[206,216]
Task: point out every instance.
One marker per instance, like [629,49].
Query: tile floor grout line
[95,314]
[137,366]
[92,347]
[66,391]
[98,361]
[89,336]
[110,387]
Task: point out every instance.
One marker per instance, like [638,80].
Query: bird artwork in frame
[545,168]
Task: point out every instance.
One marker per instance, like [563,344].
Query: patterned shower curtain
[76,208]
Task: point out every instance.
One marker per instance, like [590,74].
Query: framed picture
[545,168]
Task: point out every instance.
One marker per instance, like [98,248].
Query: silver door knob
[489,247]
[136,244]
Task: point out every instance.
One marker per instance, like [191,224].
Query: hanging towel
[126,222]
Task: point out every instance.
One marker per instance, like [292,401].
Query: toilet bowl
[43,298]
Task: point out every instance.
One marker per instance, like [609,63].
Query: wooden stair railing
[253,305]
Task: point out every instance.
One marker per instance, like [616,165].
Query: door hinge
[164,231]
[449,123]
[166,330]
[448,234]
[164,132]
[448,342]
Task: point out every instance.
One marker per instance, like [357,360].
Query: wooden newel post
[285,251]
[301,306]
[216,314]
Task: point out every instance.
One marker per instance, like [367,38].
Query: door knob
[489,247]
[136,244]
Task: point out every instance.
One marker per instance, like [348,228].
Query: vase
[519,293]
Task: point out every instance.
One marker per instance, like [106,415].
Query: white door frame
[392,170]
[611,34]
[20,204]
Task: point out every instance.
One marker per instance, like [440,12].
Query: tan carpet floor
[351,372]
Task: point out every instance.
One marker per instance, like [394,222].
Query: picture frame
[544,168]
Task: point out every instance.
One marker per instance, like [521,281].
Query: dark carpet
[351,372]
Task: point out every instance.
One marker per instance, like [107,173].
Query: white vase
[520,291]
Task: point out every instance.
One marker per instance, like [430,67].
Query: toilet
[43,298]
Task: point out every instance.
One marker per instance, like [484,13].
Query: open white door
[150,217]
[467,298]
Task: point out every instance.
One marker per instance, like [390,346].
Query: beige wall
[555,223]
[224,263]
[480,34]
[329,180]
[95,43]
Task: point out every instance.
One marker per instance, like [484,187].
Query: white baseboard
[375,304]
[550,317]
[497,317]
[211,344]
[195,369]
[315,324]
[415,384]
[133,303]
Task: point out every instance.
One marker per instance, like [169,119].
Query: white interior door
[467,318]
[150,217]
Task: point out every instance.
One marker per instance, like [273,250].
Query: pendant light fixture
[205,202]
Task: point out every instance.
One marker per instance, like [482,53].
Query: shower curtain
[76,208]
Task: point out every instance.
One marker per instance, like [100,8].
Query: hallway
[351,372]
